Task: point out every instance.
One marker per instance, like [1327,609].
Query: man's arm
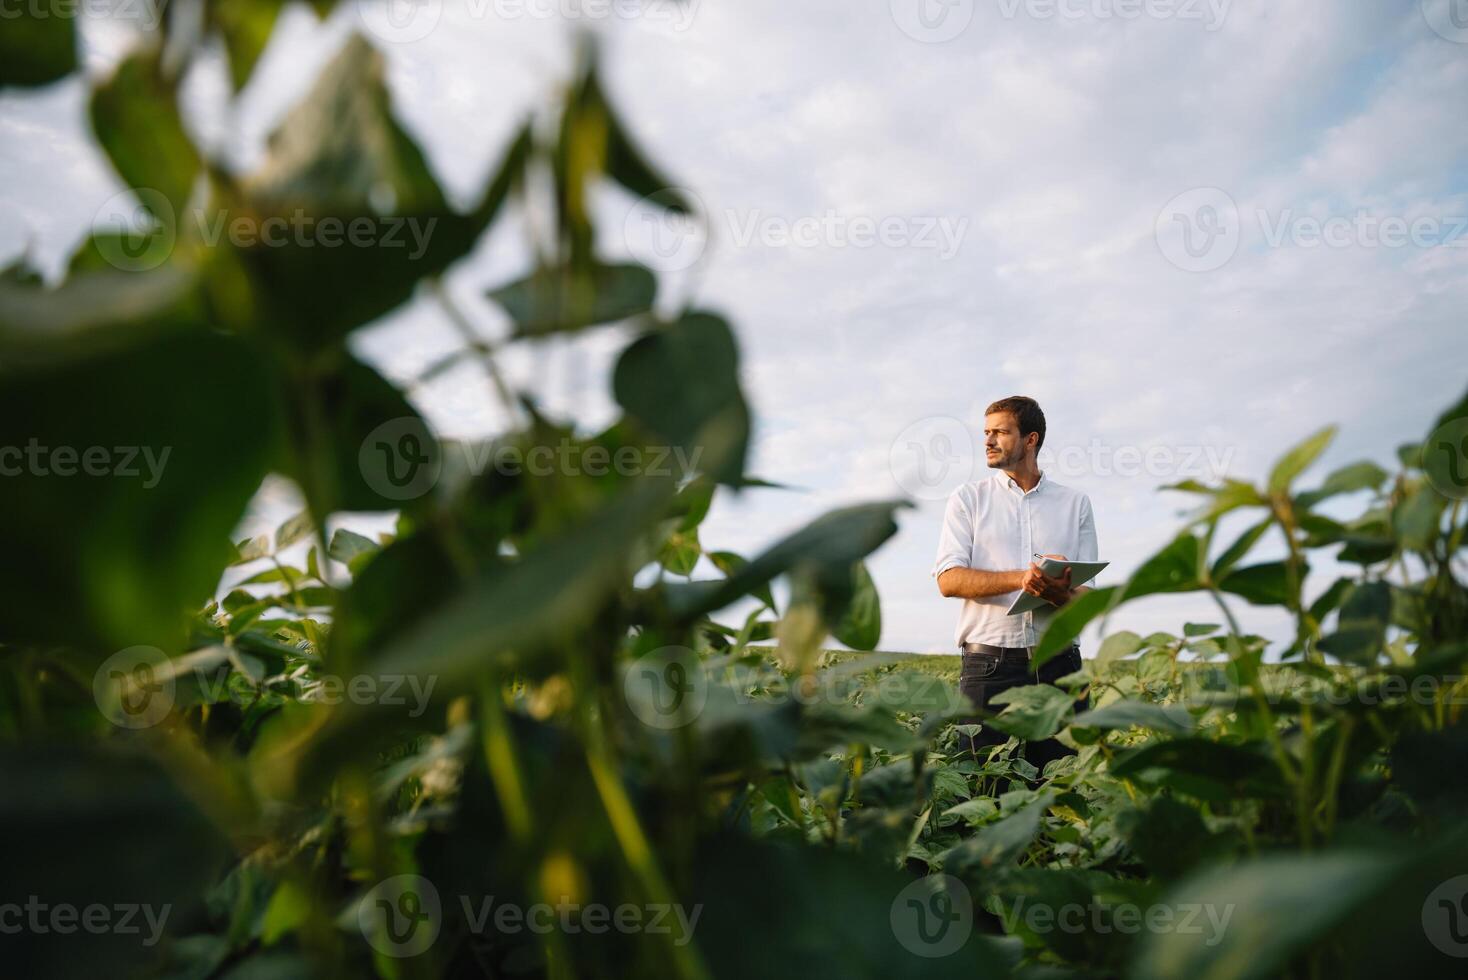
[975,583]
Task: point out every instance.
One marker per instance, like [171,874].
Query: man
[992,530]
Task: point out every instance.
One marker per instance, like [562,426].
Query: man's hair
[1026,412]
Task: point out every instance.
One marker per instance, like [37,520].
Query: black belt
[1020,655]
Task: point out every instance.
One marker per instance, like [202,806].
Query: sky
[1195,230]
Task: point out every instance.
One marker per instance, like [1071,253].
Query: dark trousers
[984,675]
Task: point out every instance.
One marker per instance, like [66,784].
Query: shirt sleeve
[956,540]
[1088,549]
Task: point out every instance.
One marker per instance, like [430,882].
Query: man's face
[1003,447]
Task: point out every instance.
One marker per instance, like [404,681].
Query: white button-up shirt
[994,526]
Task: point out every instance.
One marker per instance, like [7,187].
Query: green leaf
[1236,551]
[1200,629]
[97,826]
[252,549]
[1201,767]
[1000,843]
[572,298]
[1129,713]
[1068,623]
[37,47]
[136,119]
[124,514]
[861,626]
[729,563]
[1361,631]
[1173,569]
[1277,907]
[1169,836]
[837,539]
[1330,599]
[352,549]
[293,530]
[1363,475]
[1417,517]
[1295,461]
[1032,712]
[1262,585]
[1117,646]
[625,162]
[358,218]
[680,383]
[355,441]
[693,503]
[245,26]
[513,614]
[680,552]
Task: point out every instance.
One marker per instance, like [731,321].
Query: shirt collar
[1004,480]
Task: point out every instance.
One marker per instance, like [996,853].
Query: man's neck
[1026,475]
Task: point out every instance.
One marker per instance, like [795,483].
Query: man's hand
[1056,591]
